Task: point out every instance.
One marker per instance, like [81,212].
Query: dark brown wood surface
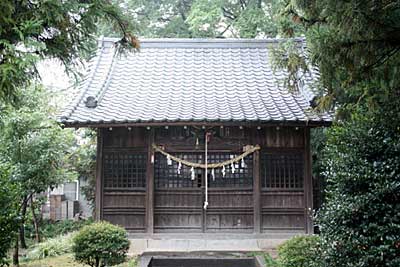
[150,185]
[99,175]
[240,209]
[257,193]
[177,210]
[308,183]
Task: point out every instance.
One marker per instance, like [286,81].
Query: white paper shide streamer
[193,176]
[179,168]
[235,163]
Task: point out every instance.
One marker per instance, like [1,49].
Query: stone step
[141,245]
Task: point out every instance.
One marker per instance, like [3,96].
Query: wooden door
[179,200]
[230,197]
[282,196]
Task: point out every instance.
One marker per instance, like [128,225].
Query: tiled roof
[189,80]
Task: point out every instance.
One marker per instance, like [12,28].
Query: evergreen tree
[355,45]
[35,30]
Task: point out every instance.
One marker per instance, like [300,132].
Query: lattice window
[242,177]
[282,170]
[124,170]
[166,176]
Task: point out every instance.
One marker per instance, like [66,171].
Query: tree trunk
[35,222]
[16,253]
[22,227]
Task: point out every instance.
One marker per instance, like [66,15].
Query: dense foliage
[36,150]
[33,144]
[300,251]
[51,229]
[101,244]
[360,222]
[245,19]
[202,18]
[34,30]
[355,44]
[8,213]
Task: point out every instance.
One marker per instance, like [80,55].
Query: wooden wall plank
[150,185]
[308,192]
[257,192]
[99,175]
[124,138]
[239,210]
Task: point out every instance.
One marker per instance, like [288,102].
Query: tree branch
[222,33]
[228,14]
[381,60]
[243,4]
[299,19]
[393,40]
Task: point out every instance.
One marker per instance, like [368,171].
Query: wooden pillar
[99,176]
[256,192]
[150,184]
[308,192]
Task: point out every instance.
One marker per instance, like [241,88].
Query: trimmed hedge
[101,244]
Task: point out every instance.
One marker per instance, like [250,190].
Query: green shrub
[52,247]
[300,251]
[360,220]
[101,244]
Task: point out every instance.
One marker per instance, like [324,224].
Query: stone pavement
[204,242]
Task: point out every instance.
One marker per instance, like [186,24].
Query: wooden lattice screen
[282,170]
[124,170]
[242,177]
[166,176]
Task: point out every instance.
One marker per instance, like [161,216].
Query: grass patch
[50,248]
[67,260]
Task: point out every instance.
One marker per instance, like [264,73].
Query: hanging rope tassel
[207,136]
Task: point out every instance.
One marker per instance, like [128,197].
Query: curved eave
[103,124]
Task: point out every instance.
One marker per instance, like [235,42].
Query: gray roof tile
[190,80]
